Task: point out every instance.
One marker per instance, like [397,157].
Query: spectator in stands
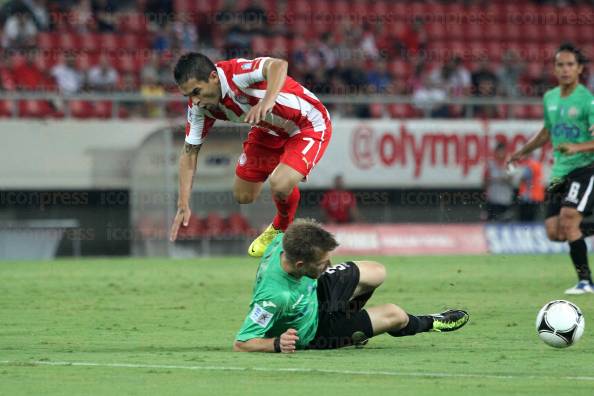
[498,186]
[509,74]
[19,31]
[414,39]
[185,35]
[453,77]
[38,11]
[484,85]
[80,16]
[378,77]
[150,89]
[531,189]
[103,76]
[339,205]
[430,98]
[542,82]
[254,18]
[104,14]
[26,74]
[68,78]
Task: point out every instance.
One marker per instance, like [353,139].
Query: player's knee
[396,316]
[281,188]
[372,273]
[243,197]
[568,225]
[554,235]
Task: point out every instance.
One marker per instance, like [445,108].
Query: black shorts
[575,191]
[341,321]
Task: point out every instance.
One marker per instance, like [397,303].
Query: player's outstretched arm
[187,168]
[537,141]
[287,343]
[275,74]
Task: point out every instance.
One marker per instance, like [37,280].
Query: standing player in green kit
[568,120]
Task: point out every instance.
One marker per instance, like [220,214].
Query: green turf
[176,320]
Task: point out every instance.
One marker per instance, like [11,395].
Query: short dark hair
[305,240]
[192,65]
[569,47]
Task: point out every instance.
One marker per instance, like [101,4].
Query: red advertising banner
[409,239]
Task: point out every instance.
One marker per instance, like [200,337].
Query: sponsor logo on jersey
[260,316]
[552,108]
[573,112]
[246,66]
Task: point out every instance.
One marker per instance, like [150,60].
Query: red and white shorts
[262,152]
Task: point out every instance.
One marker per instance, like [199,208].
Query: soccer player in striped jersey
[568,121]
[290,131]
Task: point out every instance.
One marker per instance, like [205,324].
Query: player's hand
[288,340]
[258,112]
[568,148]
[181,217]
[515,157]
[591,130]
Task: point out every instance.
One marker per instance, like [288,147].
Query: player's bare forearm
[535,142]
[187,168]
[254,345]
[275,73]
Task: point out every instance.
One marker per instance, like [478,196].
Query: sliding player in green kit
[300,302]
[568,118]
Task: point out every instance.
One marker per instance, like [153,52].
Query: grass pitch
[166,327]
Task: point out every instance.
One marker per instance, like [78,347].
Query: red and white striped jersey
[243,86]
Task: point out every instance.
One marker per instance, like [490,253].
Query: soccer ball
[560,323]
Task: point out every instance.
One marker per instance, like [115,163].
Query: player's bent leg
[283,182]
[246,192]
[569,223]
[553,229]
[387,317]
[283,179]
[371,275]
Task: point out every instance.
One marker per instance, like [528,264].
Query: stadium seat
[238,225]
[399,110]
[80,109]
[35,109]
[214,225]
[376,110]
[6,108]
[195,229]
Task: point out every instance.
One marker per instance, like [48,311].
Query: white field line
[291,370]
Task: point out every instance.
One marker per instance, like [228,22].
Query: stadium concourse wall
[413,171]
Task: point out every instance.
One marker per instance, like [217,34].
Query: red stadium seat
[194,229]
[237,225]
[376,110]
[47,41]
[214,225]
[398,110]
[535,112]
[6,108]
[102,109]
[80,109]
[69,41]
[90,41]
[35,109]
[110,42]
